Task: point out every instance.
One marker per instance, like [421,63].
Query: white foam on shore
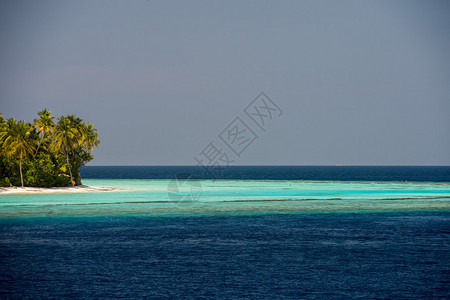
[65,189]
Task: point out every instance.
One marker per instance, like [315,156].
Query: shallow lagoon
[205,197]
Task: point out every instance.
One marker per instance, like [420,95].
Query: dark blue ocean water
[335,173]
[389,256]
[258,256]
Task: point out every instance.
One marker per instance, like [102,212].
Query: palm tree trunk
[40,142]
[78,181]
[21,176]
[68,164]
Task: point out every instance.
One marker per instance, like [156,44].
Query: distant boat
[341,165]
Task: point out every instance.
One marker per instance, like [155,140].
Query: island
[47,153]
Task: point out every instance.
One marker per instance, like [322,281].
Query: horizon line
[335,165]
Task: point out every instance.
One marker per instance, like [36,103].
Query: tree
[17,141]
[89,137]
[44,125]
[65,138]
[67,141]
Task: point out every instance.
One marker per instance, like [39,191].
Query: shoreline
[63,189]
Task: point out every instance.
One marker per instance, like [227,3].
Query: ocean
[253,232]
[323,173]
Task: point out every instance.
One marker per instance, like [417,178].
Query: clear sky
[359,82]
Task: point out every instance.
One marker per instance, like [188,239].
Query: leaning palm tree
[17,141]
[44,125]
[65,137]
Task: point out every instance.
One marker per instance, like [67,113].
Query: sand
[66,189]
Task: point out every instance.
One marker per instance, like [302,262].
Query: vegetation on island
[46,153]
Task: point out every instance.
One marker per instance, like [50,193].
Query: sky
[355,82]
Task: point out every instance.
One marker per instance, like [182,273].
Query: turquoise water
[204,197]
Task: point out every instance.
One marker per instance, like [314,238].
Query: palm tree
[44,125]
[17,141]
[89,137]
[65,137]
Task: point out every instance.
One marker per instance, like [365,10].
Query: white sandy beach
[66,189]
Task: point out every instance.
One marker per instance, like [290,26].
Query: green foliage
[42,172]
[46,153]
[4,182]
